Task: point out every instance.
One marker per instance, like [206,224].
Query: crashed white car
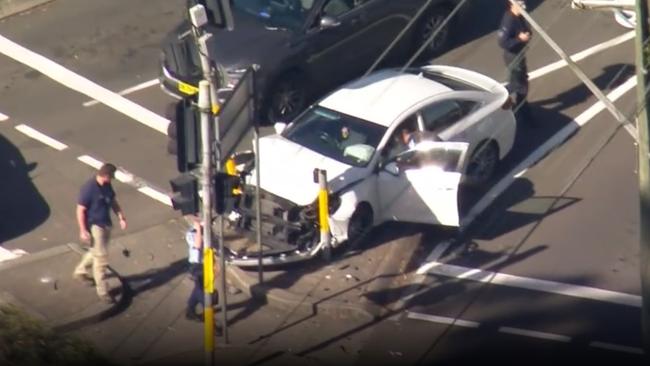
[395,145]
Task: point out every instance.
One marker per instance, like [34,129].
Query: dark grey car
[306,47]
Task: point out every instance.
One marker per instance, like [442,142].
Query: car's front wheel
[287,98]
[425,41]
[482,164]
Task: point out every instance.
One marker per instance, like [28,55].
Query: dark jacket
[511,26]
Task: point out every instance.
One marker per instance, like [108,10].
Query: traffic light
[184,134]
[226,189]
[218,11]
[186,195]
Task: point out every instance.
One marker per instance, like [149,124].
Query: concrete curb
[38,256]
[287,300]
[12,7]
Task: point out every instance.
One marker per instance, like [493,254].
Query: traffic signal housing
[184,134]
[226,190]
[186,194]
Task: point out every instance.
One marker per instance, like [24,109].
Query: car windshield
[336,135]
[285,14]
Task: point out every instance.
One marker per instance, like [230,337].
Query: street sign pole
[644,164]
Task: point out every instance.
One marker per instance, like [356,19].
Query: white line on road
[161,197]
[496,278]
[127,91]
[442,320]
[128,178]
[82,85]
[581,55]
[617,347]
[535,334]
[41,137]
[3,117]
[7,255]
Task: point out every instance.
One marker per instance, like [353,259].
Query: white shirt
[194,254]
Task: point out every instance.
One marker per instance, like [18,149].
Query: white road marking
[161,197]
[3,117]
[127,91]
[82,85]
[41,137]
[7,255]
[581,55]
[552,287]
[535,334]
[443,320]
[617,347]
[128,178]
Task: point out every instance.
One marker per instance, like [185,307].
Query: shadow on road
[22,208]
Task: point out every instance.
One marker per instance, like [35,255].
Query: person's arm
[507,39]
[198,235]
[84,235]
[120,214]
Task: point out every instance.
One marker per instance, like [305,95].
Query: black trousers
[197,296]
[518,81]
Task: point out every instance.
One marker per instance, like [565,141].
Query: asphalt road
[571,218]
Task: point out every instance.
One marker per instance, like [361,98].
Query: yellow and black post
[323,214]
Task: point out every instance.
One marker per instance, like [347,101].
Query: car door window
[439,116]
[399,140]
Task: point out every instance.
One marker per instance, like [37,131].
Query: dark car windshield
[336,135]
[286,14]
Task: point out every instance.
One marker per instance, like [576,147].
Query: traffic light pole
[208,254]
[210,76]
[643,126]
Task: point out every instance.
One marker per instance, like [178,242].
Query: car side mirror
[279,127]
[329,22]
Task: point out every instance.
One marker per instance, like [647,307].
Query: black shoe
[191,315]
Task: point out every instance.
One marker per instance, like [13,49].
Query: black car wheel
[482,164]
[430,22]
[288,99]
[360,224]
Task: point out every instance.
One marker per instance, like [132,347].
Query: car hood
[287,170]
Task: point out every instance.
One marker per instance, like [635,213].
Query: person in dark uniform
[514,35]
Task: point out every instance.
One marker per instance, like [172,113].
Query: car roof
[382,96]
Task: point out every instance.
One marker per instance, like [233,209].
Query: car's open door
[421,184]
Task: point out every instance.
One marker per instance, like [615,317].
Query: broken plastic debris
[395,353]
[327,277]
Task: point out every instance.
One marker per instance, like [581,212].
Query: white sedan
[395,145]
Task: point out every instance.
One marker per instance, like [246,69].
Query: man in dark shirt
[96,199]
[514,35]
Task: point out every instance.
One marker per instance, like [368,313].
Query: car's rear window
[446,80]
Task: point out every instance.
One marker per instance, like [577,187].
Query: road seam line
[527,283]
[617,347]
[36,135]
[443,320]
[83,85]
[128,178]
[535,334]
[127,91]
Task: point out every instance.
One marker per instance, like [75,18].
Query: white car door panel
[427,193]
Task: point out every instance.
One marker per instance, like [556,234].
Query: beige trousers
[98,257]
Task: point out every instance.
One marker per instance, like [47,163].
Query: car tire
[429,22]
[287,98]
[360,224]
[482,164]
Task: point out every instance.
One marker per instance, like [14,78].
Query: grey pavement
[12,7]
[149,281]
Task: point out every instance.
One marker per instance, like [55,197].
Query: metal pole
[258,205]
[323,215]
[620,117]
[208,270]
[209,75]
[644,165]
